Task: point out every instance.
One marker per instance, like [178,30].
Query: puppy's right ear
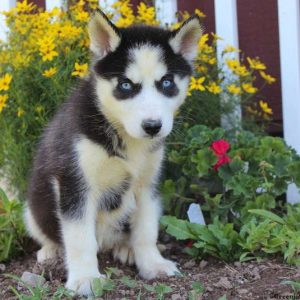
[105,37]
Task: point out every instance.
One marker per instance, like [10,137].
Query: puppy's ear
[184,40]
[105,37]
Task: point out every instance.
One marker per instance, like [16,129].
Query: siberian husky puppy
[93,183]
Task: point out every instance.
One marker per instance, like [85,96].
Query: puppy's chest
[103,172]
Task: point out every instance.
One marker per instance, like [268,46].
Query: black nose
[152,127]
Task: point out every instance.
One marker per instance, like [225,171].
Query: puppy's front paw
[83,286]
[159,268]
[124,254]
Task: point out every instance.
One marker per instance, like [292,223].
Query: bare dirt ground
[251,280]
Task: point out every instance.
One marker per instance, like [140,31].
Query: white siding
[50,4]
[166,11]
[227,29]
[289,33]
[4,6]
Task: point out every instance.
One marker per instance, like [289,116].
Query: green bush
[12,231]
[238,180]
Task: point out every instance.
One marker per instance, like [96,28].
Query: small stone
[161,247]
[2,268]
[203,264]
[243,291]
[255,273]
[176,297]
[189,264]
[33,280]
[237,264]
[224,283]
[209,289]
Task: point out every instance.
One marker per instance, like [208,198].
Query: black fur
[55,159]
[122,94]
[115,63]
[112,199]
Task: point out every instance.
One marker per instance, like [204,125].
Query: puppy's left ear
[184,40]
[105,37]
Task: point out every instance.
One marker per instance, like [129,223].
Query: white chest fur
[103,172]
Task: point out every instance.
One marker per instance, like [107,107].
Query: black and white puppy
[93,182]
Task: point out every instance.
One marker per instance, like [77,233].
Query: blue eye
[127,86]
[166,83]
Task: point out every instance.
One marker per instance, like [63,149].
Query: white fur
[82,240]
[103,36]
[146,68]
[186,38]
[49,249]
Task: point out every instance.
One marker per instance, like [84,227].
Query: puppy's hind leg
[49,248]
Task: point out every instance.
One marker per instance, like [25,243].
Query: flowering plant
[46,52]
[220,149]
[228,174]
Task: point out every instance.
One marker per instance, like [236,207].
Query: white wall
[227,29]
[289,34]
[4,6]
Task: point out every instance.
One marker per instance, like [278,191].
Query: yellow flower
[82,16]
[216,37]
[49,55]
[202,42]
[268,78]
[25,7]
[5,82]
[146,14]
[233,89]
[50,72]
[47,47]
[238,69]
[20,112]
[80,70]
[212,61]
[230,49]
[196,84]
[201,69]
[256,64]
[265,107]
[249,88]
[3,99]
[93,4]
[199,13]
[214,88]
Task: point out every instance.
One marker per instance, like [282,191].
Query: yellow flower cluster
[261,110]
[47,48]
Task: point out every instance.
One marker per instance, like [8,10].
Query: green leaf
[205,159]
[129,282]
[177,228]
[198,287]
[268,215]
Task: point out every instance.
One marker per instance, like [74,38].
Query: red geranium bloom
[220,148]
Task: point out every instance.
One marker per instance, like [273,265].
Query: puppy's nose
[152,127]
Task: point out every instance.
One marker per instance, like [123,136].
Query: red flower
[220,148]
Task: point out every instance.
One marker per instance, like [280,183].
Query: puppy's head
[142,73]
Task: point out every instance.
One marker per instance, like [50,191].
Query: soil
[247,280]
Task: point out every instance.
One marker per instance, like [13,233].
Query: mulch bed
[249,280]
